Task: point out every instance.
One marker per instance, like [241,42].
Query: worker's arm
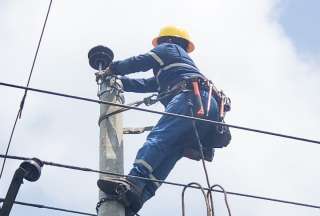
[155,59]
[134,64]
[139,85]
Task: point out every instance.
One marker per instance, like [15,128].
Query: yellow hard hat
[174,31]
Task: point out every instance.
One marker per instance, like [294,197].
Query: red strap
[196,90]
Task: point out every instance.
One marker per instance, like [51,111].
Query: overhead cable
[164,182]
[51,208]
[160,113]
[26,90]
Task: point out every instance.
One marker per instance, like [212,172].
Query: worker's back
[176,65]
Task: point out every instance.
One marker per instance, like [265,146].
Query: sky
[263,53]
[299,19]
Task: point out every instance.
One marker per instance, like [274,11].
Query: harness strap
[169,66]
[157,58]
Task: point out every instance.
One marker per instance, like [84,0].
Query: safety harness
[218,135]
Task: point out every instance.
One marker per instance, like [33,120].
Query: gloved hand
[103,74]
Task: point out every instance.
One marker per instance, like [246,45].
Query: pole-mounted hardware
[100,57]
[29,170]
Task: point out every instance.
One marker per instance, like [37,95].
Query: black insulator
[32,169]
[100,57]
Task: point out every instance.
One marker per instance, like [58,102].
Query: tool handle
[198,101]
[222,111]
[209,98]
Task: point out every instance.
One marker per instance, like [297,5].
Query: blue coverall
[165,144]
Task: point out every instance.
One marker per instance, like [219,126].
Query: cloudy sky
[264,54]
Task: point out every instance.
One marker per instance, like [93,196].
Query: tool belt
[198,84]
[217,136]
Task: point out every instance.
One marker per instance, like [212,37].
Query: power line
[161,113]
[51,208]
[165,182]
[8,145]
[26,90]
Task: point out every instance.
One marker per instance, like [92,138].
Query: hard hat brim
[190,47]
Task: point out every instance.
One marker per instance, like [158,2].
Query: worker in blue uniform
[165,145]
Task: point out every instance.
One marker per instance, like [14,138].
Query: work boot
[125,192]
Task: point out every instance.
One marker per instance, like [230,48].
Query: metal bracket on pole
[139,130]
[29,170]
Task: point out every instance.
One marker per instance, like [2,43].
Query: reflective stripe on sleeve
[157,58]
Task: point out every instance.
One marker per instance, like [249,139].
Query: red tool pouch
[198,100]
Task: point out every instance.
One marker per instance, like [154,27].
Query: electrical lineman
[184,90]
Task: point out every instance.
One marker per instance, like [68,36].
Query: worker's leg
[162,140]
[161,172]
[164,145]
[186,138]
[169,132]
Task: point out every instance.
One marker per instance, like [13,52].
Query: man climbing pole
[182,90]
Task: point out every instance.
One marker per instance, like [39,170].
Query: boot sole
[123,189]
[112,186]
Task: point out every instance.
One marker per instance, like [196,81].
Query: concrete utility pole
[111,142]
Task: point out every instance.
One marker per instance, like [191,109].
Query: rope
[51,208]
[164,182]
[161,113]
[225,196]
[148,101]
[204,195]
[202,158]
[26,90]
[105,116]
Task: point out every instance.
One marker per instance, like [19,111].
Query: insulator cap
[32,168]
[100,55]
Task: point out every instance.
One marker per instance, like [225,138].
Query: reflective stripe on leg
[157,184]
[145,164]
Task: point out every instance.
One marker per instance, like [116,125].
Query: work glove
[103,74]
